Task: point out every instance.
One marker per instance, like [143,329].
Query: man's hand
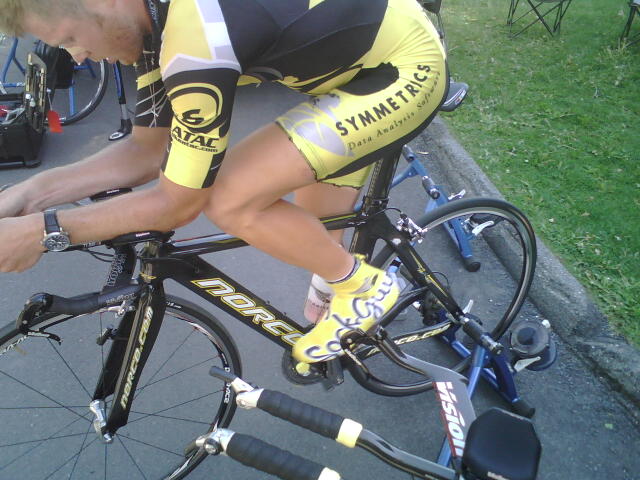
[20,246]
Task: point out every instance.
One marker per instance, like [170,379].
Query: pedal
[297,375]
[531,345]
[334,375]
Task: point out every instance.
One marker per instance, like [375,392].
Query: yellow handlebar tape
[349,433]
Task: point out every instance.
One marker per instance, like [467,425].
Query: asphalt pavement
[587,429]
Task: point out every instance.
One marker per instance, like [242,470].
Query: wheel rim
[496,296]
[44,404]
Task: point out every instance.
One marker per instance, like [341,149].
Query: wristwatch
[55,239]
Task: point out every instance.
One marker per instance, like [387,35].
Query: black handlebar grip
[255,453]
[76,305]
[302,414]
[481,337]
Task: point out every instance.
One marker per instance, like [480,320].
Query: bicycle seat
[502,445]
[455,96]
[432,6]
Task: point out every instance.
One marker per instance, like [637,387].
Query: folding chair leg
[627,28]
[560,11]
[512,11]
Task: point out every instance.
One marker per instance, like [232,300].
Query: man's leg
[247,202]
[324,200]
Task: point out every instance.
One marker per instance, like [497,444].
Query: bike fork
[132,344]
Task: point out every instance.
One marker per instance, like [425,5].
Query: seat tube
[377,195]
[375,201]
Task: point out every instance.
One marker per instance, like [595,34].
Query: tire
[88,87]
[45,390]
[504,256]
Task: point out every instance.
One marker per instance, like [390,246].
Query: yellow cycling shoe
[360,301]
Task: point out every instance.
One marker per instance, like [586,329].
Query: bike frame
[11,58]
[180,261]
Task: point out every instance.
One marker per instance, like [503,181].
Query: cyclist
[375,72]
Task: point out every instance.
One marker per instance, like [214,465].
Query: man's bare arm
[130,162]
[164,206]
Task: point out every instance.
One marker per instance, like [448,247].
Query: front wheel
[504,252]
[46,388]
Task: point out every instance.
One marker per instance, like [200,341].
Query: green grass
[555,123]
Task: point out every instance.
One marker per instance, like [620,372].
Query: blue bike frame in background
[11,58]
[438,195]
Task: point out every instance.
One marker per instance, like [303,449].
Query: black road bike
[94,383]
[147,373]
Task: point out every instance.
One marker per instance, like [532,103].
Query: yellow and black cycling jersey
[375,70]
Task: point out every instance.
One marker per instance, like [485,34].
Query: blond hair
[12,12]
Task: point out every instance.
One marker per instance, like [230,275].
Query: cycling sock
[356,262]
[360,301]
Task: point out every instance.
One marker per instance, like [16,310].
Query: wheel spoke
[171,355]
[131,456]
[60,467]
[174,406]
[53,437]
[152,446]
[146,414]
[41,442]
[73,373]
[178,373]
[40,393]
[83,407]
[84,441]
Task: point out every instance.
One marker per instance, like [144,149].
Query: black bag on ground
[22,118]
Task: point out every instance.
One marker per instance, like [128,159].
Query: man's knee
[226,211]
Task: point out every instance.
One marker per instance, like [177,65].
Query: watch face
[56,242]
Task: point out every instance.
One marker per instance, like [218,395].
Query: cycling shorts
[403,80]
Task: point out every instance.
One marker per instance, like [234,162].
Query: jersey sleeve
[201,102]
[200,73]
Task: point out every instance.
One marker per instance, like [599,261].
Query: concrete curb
[555,292]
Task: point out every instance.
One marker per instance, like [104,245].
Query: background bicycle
[76,90]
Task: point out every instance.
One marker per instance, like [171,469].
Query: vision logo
[452,417]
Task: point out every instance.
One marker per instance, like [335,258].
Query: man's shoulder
[195,39]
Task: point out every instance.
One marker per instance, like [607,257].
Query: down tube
[242,304]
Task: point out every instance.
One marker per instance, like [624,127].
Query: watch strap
[51,224]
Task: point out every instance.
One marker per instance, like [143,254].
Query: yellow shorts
[393,97]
